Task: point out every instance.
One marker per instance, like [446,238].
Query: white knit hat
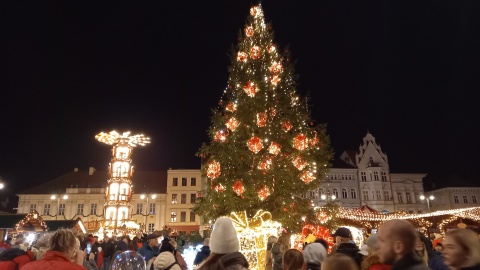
[223,239]
[314,253]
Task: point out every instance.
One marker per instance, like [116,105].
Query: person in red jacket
[63,254]
[16,259]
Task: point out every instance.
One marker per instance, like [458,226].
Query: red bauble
[265,164]
[218,188]
[255,144]
[276,67]
[221,136]
[238,187]
[263,193]
[231,107]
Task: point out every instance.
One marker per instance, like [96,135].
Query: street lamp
[54,197]
[146,198]
[428,199]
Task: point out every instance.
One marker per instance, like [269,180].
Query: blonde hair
[468,241]
[283,242]
[339,261]
[63,240]
[293,260]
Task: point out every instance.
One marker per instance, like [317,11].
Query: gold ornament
[274,148]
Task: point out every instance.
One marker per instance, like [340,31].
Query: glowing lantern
[274,148]
[262,119]
[255,144]
[255,52]
[218,188]
[213,169]
[221,136]
[263,193]
[232,124]
[242,57]
[238,187]
[300,142]
[307,177]
[231,107]
[299,163]
[249,31]
[250,89]
[265,164]
[276,67]
[286,125]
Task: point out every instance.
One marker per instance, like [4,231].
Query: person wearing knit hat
[224,246]
[166,258]
[314,254]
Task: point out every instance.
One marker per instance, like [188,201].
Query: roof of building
[340,164]
[142,181]
[54,225]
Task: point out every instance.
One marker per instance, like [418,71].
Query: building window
[399,197]
[386,195]
[174,198]
[344,193]
[175,182]
[184,181]
[379,195]
[152,208]
[151,227]
[93,209]
[193,181]
[365,195]
[61,209]
[455,199]
[409,197]
[193,198]
[80,209]
[46,209]
[384,177]
[33,207]
[139,208]
[465,199]
[173,216]
[183,216]
[335,192]
[183,199]
[353,193]
[363,176]
[192,217]
[321,191]
[474,199]
[375,176]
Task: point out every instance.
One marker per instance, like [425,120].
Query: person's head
[423,247]
[342,235]
[96,238]
[206,241]
[314,253]
[432,236]
[135,239]
[293,260]
[339,261]
[271,240]
[126,239]
[64,241]
[461,248]
[223,239]
[396,238]
[167,246]
[323,242]
[152,240]
[371,243]
[439,247]
[283,242]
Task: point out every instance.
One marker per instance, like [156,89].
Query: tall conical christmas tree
[265,152]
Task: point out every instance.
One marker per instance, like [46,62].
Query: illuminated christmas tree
[265,151]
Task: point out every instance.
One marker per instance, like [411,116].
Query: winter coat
[350,249]
[148,253]
[312,266]
[164,260]
[202,255]
[268,260]
[409,262]
[372,262]
[14,259]
[231,261]
[53,260]
[277,255]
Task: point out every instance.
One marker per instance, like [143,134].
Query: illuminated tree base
[253,234]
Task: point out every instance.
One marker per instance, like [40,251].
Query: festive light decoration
[286,125]
[31,217]
[275,80]
[231,107]
[221,136]
[314,141]
[249,31]
[271,48]
[262,119]
[300,142]
[276,67]
[256,11]
[263,193]
[255,52]
[299,163]
[242,57]
[232,123]
[265,164]
[114,137]
[255,144]
[213,170]
[274,148]
[272,112]
[238,187]
[318,232]
[218,188]
[307,177]
[250,89]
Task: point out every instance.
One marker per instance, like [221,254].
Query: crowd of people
[396,246]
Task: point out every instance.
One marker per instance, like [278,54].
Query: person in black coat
[204,252]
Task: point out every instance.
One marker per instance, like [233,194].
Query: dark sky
[407,71]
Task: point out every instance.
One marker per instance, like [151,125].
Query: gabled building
[454,197]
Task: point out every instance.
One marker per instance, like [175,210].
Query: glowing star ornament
[242,57]
[300,142]
[213,169]
[307,177]
[221,136]
[286,125]
[250,89]
[231,107]
[262,119]
[299,163]
[232,123]
[265,164]
[255,52]
[255,144]
[274,148]
[263,193]
[249,31]
[238,187]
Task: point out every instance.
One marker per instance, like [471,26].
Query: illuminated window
[344,193]
[174,198]
[46,209]
[455,199]
[193,198]
[33,207]
[80,209]
[321,191]
[93,209]
[61,209]
[173,216]
[152,208]
[139,208]
[184,181]
[183,216]
[474,199]
[193,181]
[384,177]
[151,227]
[353,193]
[175,181]
[192,217]
[363,176]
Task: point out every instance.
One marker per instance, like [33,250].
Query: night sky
[406,71]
